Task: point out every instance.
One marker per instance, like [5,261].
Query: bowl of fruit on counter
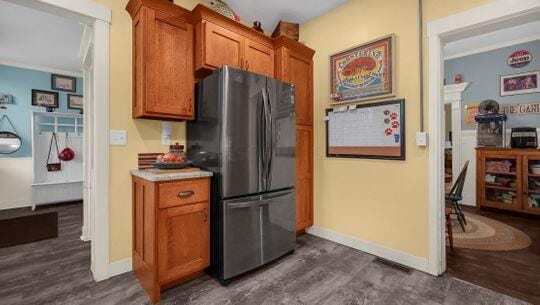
[175,159]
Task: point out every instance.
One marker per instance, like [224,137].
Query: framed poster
[520,83]
[471,111]
[63,83]
[75,101]
[363,72]
[44,98]
[372,131]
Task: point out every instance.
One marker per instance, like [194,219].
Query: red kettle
[67,154]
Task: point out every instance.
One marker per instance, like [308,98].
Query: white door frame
[483,19]
[98,17]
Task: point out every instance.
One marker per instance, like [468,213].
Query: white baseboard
[371,248]
[119,267]
[12,204]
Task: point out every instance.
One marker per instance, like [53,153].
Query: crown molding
[40,68]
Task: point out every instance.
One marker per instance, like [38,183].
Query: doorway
[95,52]
[483,20]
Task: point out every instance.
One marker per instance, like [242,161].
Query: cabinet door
[304,177]
[220,47]
[183,240]
[298,70]
[259,58]
[169,67]
[531,185]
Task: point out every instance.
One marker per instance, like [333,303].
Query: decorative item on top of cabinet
[287,29]
[220,41]
[257,26]
[162,60]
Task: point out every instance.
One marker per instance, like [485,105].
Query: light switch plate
[166,132]
[118,137]
[421,139]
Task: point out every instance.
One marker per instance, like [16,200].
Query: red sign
[519,59]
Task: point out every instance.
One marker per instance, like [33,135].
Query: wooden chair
[449,232]
[455,196]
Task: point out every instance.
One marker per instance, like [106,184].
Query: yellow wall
[143,135]
[384,202]
[381,201]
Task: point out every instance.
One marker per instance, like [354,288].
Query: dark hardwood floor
[515,273]
[57,271]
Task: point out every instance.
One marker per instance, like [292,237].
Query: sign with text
[529,108]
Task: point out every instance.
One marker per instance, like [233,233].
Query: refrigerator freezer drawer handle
[241,205]
[184,194]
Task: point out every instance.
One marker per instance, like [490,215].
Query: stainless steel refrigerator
[244,132]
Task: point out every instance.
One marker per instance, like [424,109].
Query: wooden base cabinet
[162,61]
[304,177]
[506,179]
[171,232]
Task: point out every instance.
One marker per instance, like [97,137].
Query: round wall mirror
[9,142]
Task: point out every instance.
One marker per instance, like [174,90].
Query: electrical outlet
[166,132]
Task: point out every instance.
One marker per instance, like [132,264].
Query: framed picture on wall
[520,83]
[44,98]
[75,101]
[363,72]
[63,83]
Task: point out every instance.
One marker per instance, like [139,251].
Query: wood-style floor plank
[57,271]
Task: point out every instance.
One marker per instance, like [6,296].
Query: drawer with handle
[183,192]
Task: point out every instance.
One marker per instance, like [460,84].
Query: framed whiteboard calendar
[373,131]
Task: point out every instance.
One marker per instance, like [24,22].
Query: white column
[453,95]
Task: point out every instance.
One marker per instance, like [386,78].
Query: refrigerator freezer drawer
[257,230]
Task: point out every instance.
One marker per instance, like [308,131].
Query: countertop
[143,174]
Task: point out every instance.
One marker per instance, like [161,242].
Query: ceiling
[35,38]
[485,42]
[269,12]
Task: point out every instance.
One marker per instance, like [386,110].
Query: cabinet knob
[205,215]
[184,194]
[247,65]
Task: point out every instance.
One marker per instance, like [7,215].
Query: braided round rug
[483,233]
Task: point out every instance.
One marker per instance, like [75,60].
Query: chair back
[457,188]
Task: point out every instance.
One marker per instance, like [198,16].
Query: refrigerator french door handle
[270,134]
[262,143]
[265,148]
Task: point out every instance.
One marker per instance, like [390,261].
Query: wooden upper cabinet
[162,63]
[259,58]
[294,65]
[217,46]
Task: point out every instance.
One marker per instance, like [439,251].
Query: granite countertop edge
[143,174]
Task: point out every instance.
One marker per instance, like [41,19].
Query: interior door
[282,134]
[241,133]
[278,224]
[241,235]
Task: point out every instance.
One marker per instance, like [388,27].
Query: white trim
[13,204]
[100,210]
[119,267]
[83,10]
[397,256]
[86,42]
[40,68]
[453,95]
[477,21]
[493,47]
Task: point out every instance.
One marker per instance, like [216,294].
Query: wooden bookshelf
[495,195]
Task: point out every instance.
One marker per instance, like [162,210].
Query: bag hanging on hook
[53,167]
[67,154]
